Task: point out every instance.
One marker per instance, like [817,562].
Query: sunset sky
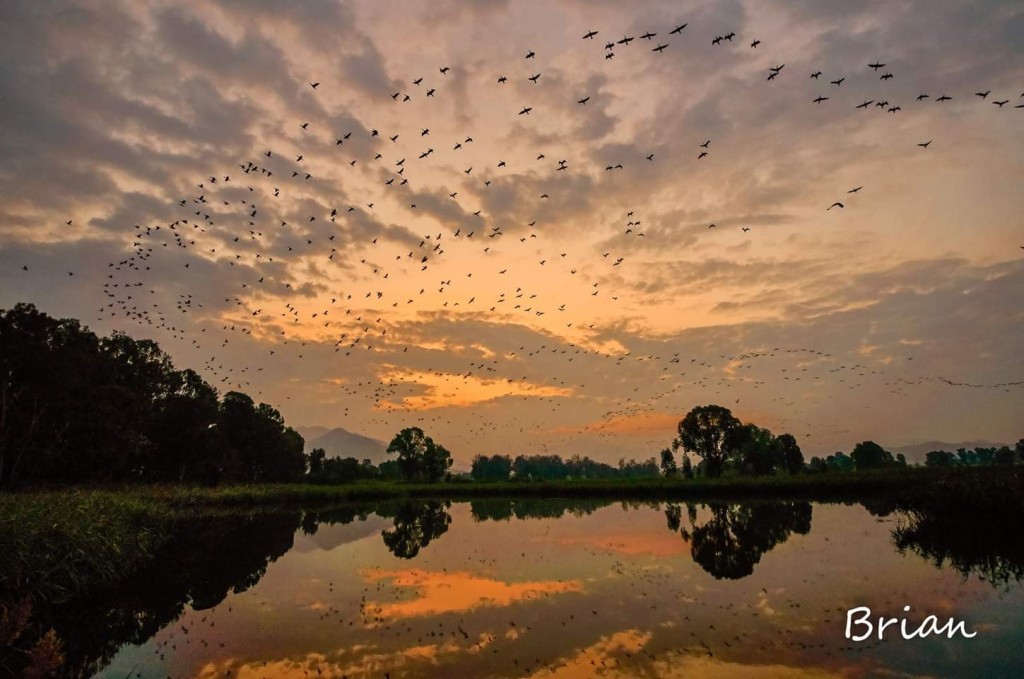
[556,326]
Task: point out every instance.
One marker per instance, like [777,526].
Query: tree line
[554,468]
[978,457]
[723,444]
[76,407]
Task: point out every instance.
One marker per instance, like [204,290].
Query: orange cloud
[439,592]
[450,390]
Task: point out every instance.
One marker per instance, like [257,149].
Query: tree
[708,431]
[1005,456]
[668,463]
[687,467]
[493,468]
[940,458]
[817,465]
[419,458]
[870,455]
[755,450]
[840,462]
[317,457]
[792,459]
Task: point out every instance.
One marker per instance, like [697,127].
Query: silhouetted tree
[419,458]
[493,468]
[687,467]
[668,463]
[755,450]
[870,455]
[1005,456]
[317,457]
[708,431]
[839,462]
[792,459]
[940,458]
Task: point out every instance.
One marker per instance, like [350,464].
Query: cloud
[439,593]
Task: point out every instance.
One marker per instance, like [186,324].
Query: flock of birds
[278,308]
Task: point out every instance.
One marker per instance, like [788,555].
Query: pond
[549,588]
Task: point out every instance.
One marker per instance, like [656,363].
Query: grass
[975,482]
[56,545]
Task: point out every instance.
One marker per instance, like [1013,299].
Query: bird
[590,35]
[819,99]
[584,100]
[678,29]
[836,204]
[924,145]
[659,48]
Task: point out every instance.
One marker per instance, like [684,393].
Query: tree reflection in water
[966,540]
[212,555]
[732,541]
[416,524]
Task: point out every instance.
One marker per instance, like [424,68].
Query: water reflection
[206,559]
[465,589]
[734,538]
[416,524]
[968,543]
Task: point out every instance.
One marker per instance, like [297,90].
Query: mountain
[340,442]
[309,433]
[918,451]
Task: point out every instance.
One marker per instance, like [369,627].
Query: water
[557,589]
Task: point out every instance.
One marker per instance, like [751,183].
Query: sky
[430,238]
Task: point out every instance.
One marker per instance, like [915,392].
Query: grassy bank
[53,545]
[973,484]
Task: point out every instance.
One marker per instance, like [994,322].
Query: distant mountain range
[917,452]
[340,442]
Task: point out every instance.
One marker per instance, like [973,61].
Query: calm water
[556,589]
